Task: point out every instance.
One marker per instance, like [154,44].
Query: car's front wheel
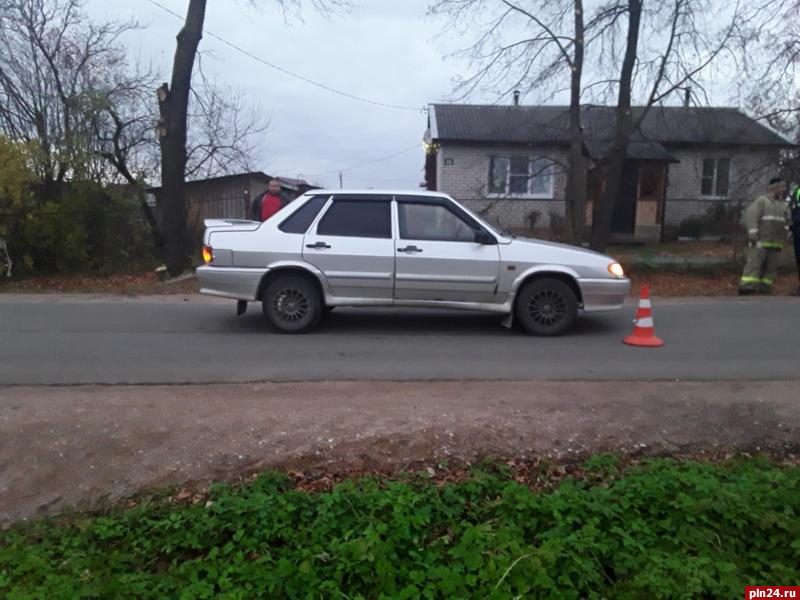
[292,304]
[546,307]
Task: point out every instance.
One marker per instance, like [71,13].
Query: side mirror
[484,237]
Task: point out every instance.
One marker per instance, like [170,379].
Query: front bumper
[604,294]
[230,282]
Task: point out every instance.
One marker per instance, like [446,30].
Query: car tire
[292,304]
[546,307]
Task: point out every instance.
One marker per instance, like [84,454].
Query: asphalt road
[74,340]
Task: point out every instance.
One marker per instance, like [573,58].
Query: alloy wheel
[547,308]
[291,305]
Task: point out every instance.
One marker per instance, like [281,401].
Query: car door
[352,245]
[437,255]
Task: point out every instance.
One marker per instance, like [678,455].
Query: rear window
[357,218]
[300,220]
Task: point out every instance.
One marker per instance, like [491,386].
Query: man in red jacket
[269,203]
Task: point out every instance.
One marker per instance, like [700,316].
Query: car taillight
[208,254]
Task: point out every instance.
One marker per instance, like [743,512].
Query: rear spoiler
[227,222]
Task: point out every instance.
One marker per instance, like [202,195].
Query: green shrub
[86,230]
[664,529]
[720,219]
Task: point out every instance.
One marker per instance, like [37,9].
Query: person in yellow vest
[765,221]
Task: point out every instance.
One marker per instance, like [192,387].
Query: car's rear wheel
[292,304]
[547,307]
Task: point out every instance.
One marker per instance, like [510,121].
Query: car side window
[433,222]
[300,220]
[357,218]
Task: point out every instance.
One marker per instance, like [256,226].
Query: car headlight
[616,270]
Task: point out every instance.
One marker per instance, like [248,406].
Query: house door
[623,219]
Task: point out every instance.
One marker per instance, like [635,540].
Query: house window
[521,177]
[716,176]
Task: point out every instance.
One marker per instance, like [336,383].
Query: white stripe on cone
[645,303]
[645,322]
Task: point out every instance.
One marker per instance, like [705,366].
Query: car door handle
[318,246]
[410,249]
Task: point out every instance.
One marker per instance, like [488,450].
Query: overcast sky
[384,50]
[387,51]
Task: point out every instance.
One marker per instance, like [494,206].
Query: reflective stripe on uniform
[754,230]
[772,218]
[747,279]
[770,245]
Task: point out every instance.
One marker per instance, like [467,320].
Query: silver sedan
[403,249]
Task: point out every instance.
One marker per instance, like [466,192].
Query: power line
[366,164]
[290,73]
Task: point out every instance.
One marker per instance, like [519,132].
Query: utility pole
[340,180]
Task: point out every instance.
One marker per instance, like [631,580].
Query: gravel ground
[86,446]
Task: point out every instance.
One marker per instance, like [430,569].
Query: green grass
[662,529]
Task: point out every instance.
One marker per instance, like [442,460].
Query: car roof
[377,192]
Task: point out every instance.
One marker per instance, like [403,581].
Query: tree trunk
[173,104]
[575,193]
[604,209]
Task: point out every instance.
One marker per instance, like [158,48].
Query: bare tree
[769,69]
[173,105]
[536,46]
[67,85]
[51,59]
[122,126]
[224,131]
[685,39]
[601,223]
[173,102]
[603,61]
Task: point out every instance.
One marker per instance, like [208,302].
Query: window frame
[356,199]
[456,210]
[401,222]
[320,211]
[529,195]
[715,177]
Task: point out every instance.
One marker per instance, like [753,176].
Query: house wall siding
[466,180]
[751,168]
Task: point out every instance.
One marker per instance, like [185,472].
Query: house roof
[663,125]
[286,182]
[296,182]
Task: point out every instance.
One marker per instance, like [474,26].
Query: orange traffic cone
[644,333]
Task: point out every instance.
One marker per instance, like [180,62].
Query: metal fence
[216,208]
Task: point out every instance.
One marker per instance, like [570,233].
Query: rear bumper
[604,294]
[230,282]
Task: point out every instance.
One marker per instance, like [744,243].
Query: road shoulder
[83,446]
